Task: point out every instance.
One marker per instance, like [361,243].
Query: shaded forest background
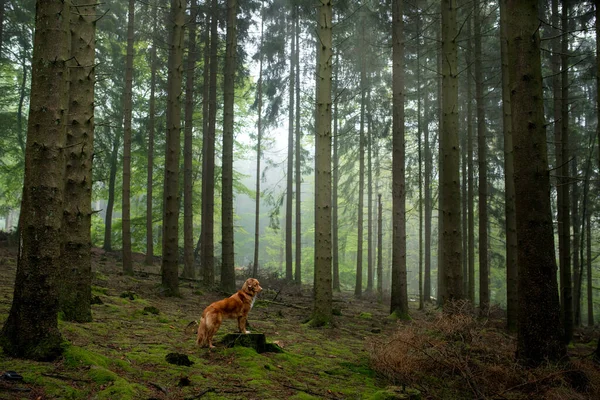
[274,79]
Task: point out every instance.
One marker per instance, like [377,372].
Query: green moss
[122,390]
[398,316]
[102,375]
[365,315]
[395,393]
[100,290]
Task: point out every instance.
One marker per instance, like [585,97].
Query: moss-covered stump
[178,359]
[256,341]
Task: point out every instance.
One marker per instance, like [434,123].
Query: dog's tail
[201,340]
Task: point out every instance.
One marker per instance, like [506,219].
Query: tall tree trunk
[540,336]
[399,296]
[75,288]
[127,110]
[588,261]
[470,174]
[227,247]
[208,163]
[259,101]
[484,271]
[110,203]
[151,132]
[31,329]
[336,180]
[170,240]
[361,168]
[322,279]
[450,179]
[379,247]
[561,116]
[577,266]
[509,190]
[428,203]
[289,271]
[297,148]
[370,252]
[420,150]
[2,6]
[188,214]
[206,146]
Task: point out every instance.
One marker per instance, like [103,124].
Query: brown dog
[237,306]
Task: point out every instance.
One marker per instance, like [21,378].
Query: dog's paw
[246,332]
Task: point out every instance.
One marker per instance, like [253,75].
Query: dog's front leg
[242,324]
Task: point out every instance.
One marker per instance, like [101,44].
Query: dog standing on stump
[237,306]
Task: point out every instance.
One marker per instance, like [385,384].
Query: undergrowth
[460,356]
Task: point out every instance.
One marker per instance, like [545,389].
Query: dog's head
[251,286]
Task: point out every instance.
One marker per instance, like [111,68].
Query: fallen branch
[541,379]
[157,386]
[277,303]
[308,391]
[202,393]
[66,378]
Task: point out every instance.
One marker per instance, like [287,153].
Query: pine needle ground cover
[123,353]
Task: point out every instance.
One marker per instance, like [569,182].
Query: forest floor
[363,355]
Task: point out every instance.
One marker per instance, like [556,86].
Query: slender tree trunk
[206,146]
[188,185]
[322,279]
[75,288]
[127,110]
[227,235]
[110,203]
[336,180]
[170,239]
[484,269]
[399,296]
[428,203]
[540,336]
[470,173]
[208,163]
[151,132]
[31,329]
[370,252]
[577,266]
[379,247]
[361,168]
[450,179]
[590,293]
[509,191]
[297,148]
[289,271]
[420,149]
[259,101]
[2,6]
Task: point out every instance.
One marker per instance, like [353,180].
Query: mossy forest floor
[121,354]
[364,354]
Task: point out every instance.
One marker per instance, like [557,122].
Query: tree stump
[256,341]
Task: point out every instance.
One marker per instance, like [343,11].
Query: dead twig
[66,378]
[308,391]
[277,303]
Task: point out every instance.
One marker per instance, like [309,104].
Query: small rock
[179,359]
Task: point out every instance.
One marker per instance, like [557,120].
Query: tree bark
[31,329]
[259,101]
[151,132]
[171,197]
[450,181]
[227,235]
[110,203]
[208,163]
[540,333]
[188,214]
[399,296]
[297,159]
[75,290]
[127,111]
[361,167]
[509,190]
[484,270]
[322,279]
[336,180]
[289,196]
